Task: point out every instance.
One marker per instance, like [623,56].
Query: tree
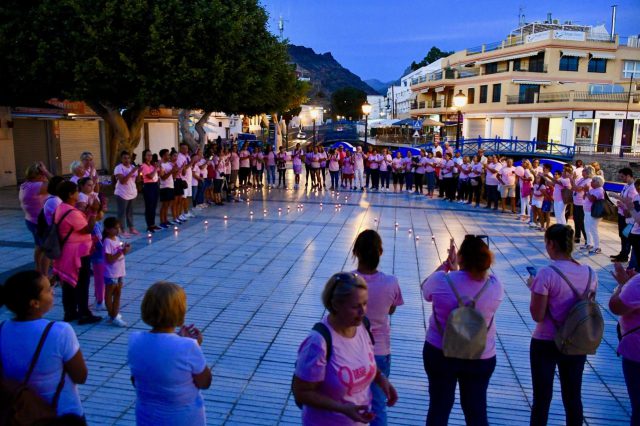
[348,102]
[433,55]
[124,56]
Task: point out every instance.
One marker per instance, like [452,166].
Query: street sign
[416,134]
[417,124]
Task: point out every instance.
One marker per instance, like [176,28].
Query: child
[547,206]
[114,271]
[537,200]
[348,170]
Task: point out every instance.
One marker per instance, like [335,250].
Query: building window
[517,63]
[527,93]
[483,94]
[631,68]
[598,89]
[569,63]
[536,63]
[471,94]
[497,91]
[597,65]
[491,68]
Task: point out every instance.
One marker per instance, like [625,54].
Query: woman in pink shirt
[418,175]
[32,195]
[580,186]
[625,302]
[475,180]
[551,300]
[447,177]
[235,167]
[397,166]
[384,297]
[385,169]
[558,186]
[374,169]
[463,276]
[298,155]
[348,170]
[150,189]
[591,223]
[333,383]
[74,265]
[334,168]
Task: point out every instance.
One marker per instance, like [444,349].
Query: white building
[400,98]
[378,106]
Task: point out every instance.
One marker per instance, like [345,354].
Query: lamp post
[314,116]
[366,110]
[459,100]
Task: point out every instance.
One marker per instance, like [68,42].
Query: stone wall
[611,165]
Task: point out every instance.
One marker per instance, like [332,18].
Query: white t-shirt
[166,169]
[186,174]
[359,161]
[163,365]
[127,191]
[492,178]
[19,339]
[117,268]
[50,207]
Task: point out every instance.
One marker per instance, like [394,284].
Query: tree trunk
[123,130]
[185,130]
[202,133]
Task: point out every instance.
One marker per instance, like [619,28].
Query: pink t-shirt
[437,290]
[596,192]
[628,191]
[421,165]
[557,188]
[147,169]
[629,346]
[447,168]
[346,378]
[297,157]
[578,196]
[347,166]
[117,268]
[508,175]
[235,161]
[31,200]
[334,162]
[476,170]
[373,162]
[397,165]
[492,178]
[408,164]
[271,158]
[245,158]
[384,292]
[561,298]
[128,190]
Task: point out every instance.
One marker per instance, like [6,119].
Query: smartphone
[532,271]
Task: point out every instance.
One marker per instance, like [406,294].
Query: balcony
[572,96]
[427,104]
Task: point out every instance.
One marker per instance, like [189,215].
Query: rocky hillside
[325,73]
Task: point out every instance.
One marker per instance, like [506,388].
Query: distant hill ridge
[326,74]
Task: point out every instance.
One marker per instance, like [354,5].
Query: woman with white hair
[591,223]
[77,171]
[580,186]
[90,171]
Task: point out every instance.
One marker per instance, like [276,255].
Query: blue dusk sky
[379,39]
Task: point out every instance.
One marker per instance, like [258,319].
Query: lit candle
[225,218]
[206,223]
[149,235]
[410,230]
[417,237]
[175,228]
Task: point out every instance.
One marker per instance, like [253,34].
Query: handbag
[597,209]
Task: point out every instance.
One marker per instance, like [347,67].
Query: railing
[600,97]
[570,96]
[469,73]
[426,104]
[535,69]
[418,105]
[590,148]
[515,147]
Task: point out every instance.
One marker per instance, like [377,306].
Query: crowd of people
[342,368]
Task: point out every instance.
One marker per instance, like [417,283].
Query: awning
[427,122]
[540,82]
[602,55]
[575,53]
[508,58]
[424,90]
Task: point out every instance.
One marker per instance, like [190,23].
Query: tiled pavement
[254,285]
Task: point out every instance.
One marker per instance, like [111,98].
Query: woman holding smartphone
[334,386]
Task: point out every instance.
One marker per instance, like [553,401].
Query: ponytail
[367,249]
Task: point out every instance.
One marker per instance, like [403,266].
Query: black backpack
[324,331]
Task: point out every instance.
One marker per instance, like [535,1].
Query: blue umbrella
[345,145]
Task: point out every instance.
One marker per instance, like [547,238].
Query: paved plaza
[254,284]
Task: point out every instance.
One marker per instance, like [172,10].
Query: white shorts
[187,192]
[536,203]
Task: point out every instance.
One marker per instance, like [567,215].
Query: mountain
[325,73]
[381,87]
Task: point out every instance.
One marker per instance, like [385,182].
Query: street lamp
[459,100]
[366,110]
[314,117]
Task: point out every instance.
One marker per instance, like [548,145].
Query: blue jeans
[379,401]
[431,181]
[408,180]
[631,371]
[335,178]
[271,175]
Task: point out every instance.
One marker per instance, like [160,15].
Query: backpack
[324,331]
[20,405]
[465,333]
[582,330]
[43,228]
[52,246]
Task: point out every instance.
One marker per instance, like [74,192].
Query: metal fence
[583,148]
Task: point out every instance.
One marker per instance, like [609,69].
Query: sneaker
[118,321]
[164,225]
[191,215]
[99,307]
[584,247]
[156,228]
[182,217]
[595,251]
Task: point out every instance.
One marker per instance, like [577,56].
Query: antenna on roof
[521,16]
[281,22]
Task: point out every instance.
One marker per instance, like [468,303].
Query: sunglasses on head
[482,237]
